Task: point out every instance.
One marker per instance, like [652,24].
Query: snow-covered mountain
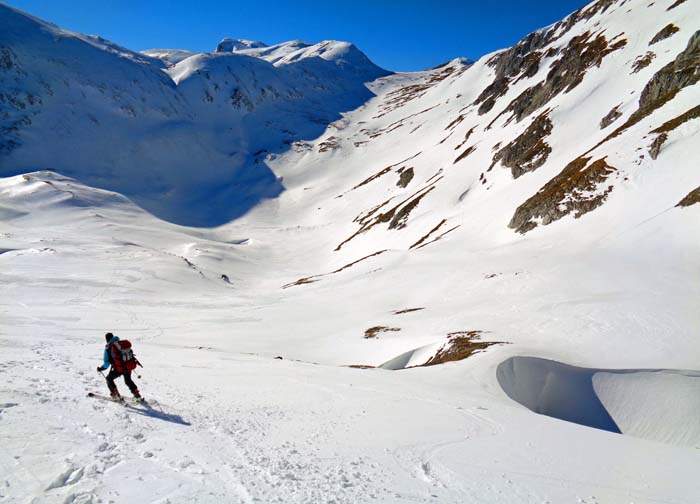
[482,241]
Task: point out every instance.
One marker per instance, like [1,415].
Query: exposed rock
[578,189]
[643,61]
[372,332]
[405,177]
[665,84]
[460,345]
[692,198]
[528,151]
[612,116]
[663,130]
[664,33]
[523,59]
[466,138]
[582,53]
[395,216]
[7,58]
[316,278]
[425,237]
[407,310]
[331,143]
[676,4]
[373,177]
[464,154]
[655,147]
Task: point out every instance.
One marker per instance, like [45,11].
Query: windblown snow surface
[536,212]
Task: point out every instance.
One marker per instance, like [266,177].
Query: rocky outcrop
[664,33]
[528,151]
[405,177]
[663,130]
[523,59]
[692,198]
[643,61]
[566,72]
[460,345]
[675,4]
[665,84]
[612,116]
[578,189]
[655,147]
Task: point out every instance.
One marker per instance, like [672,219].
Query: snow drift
[657,404]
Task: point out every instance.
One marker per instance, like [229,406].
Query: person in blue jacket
[118,368]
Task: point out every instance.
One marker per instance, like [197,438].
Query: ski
[121,400]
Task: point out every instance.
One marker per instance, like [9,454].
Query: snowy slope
[536,211]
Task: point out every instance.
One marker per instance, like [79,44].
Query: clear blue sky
[397,35]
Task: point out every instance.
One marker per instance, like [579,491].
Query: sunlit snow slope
[482,241]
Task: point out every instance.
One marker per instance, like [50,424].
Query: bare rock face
[578,189]
[568,71]
[529,151]
[692,198]
[655,147]
[665,84]
[675,4]
[664,33]
[612,116]
[405,177]
[523,59]
[663,130]
[643,61]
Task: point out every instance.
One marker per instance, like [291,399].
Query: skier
[119,355]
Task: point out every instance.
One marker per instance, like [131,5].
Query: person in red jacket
[112,358]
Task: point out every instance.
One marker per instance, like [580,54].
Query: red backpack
[123,356]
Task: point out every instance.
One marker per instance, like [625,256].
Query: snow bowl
[656,404]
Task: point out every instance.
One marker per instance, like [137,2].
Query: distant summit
[234,45]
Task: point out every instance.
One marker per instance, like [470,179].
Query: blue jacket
[106,357]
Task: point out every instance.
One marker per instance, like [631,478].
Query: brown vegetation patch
[612,116]
[676,4]
[454,123]
[316,278]
[426,236]
[528,151]
[466,137]
[686,116]
[577,189]
[372,177]
[692,198]
[372,332]
[395,216]
[460,345]
[408,310]
[664,33]
[464,154]
[438,237]
[400,97]
[643,61]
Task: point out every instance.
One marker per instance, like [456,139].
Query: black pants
[114,374]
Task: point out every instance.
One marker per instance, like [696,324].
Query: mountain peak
[228,44]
